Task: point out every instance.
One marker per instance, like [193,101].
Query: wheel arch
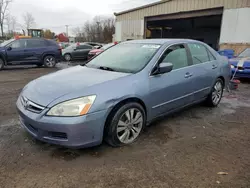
[48,54]
[122,102]
[3,58]
[223,79]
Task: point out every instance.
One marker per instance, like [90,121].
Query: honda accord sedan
[119,92]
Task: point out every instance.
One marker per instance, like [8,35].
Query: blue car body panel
[160,94]
[243,70]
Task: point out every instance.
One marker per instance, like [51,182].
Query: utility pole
[67,30]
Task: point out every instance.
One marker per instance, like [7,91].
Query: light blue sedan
[120,91]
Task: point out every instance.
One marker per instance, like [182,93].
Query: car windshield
[245,53]
[6,42]
[105,47]
[70,46]
[126,57]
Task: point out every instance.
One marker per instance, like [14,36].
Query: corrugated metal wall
[176,6]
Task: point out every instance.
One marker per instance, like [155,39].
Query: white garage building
[219,23]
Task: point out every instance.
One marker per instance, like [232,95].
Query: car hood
[241,62]
[46,89]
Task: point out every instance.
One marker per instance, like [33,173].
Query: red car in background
[95,52]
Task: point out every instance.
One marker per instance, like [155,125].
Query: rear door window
[199,53]
[83,47]
[35,43]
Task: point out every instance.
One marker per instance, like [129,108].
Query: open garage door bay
[202,25]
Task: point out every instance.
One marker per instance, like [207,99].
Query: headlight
[232,67]
[75,107]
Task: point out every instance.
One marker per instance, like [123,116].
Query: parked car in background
[240,65]
[94,52]
[94,44]
[28,51]
[78,51]
[116,94]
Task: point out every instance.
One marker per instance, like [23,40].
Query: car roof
[160,41]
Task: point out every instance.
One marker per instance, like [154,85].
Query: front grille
[31,106]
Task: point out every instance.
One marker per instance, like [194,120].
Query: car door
[34,50]
[174,89]
[204,71]
[81,51]
[15,51]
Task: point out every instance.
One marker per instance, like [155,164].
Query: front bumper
[72,132]
[241,73]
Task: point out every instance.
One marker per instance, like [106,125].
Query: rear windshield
[52,43]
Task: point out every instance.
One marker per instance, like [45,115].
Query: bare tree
[3,8]
[29,21]
[13,23]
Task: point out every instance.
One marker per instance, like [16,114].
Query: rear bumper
[72,132]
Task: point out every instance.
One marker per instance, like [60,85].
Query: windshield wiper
[106,68]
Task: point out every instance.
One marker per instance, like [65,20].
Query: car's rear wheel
[49,61]
[216,94]
[67,57]
[1,64]
[125,125]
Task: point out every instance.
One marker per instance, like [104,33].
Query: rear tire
[125,125]
[1,63]
[49,61]
[214,98]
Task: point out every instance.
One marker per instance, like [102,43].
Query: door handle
[214,66]
[188,75]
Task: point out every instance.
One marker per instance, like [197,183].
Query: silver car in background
[122,90]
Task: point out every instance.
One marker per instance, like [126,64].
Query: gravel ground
[186,149]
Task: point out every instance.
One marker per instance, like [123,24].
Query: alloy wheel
[217,92]
[50,61]
[129,126]
[67,57]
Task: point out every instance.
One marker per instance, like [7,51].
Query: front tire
[67,57]
[214,98]
[49,61]
[1,64]
[125,125]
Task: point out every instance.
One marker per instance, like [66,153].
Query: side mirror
[9,48]
[165,68]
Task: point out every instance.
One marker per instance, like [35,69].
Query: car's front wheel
[216,94]
[67,57]
[125,125]
[49,61]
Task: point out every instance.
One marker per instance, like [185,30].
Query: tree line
[100,29]
[6,19]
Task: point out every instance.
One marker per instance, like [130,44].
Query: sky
[55,14]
